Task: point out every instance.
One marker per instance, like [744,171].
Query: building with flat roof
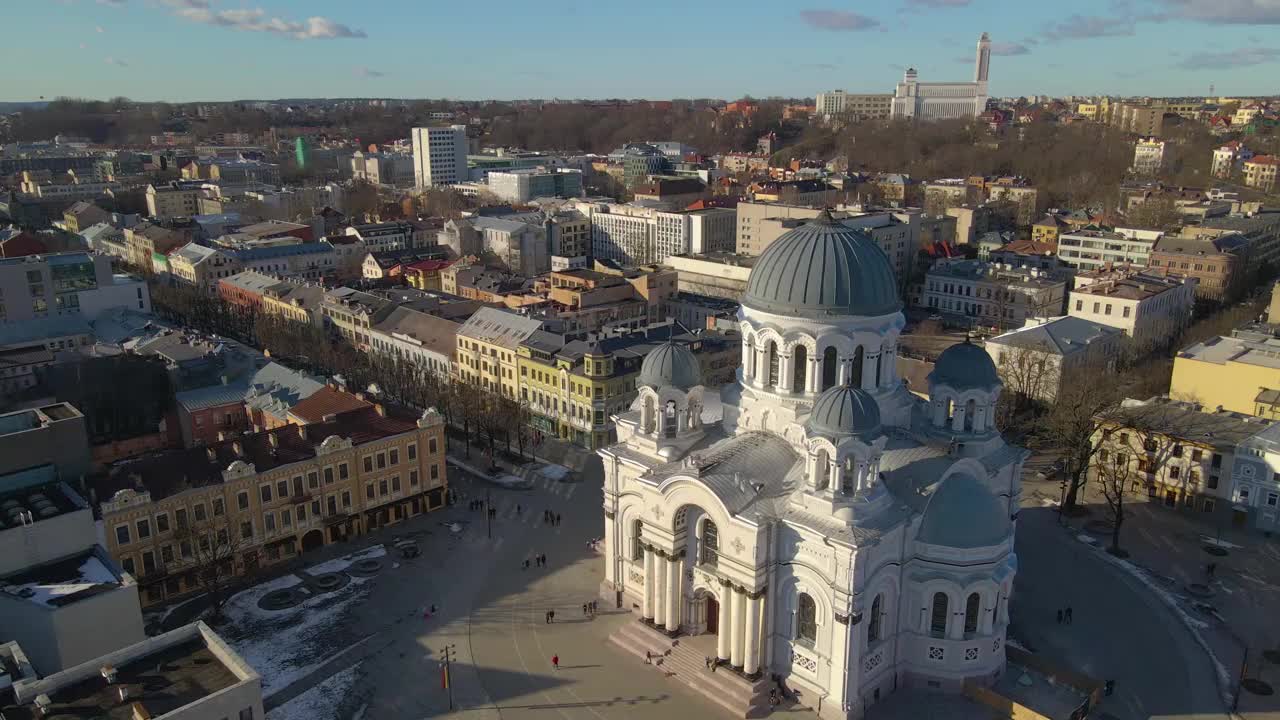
[1240,374]
[914,100]
[841,105]
[989,295]
[417,338]
[1150,309]
[1217,263]
[1094,248]
[487,349]
[439,155]
[42,286]
[189,673]
[721,275]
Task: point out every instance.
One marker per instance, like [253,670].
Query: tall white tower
[983,64]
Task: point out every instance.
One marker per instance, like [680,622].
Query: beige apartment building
[1260,172]
[488,349]
[297,303]
[261,498]
[176,200]
[1150,309]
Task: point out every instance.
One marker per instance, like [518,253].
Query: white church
[915,100]
[835,532]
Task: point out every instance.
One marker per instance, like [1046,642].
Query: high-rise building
[854,106]
[439,155]
[943,101]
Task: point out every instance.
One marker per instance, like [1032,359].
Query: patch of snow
[342,563]
[91,573]
[286,645]
[1220,543]
[551,471]
[1087,539]
[321,701]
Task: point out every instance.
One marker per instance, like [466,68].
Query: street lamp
[444,672]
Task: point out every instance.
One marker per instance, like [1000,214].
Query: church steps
[724,687]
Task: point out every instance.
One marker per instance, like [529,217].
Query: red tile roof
[327,401]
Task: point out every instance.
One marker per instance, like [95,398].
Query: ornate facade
[832,529]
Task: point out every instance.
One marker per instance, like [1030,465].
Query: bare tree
[1029,374]
[1085,398]
[466,398]
[211,547]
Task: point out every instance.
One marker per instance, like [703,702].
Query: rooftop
[159,675]
[497,327]
[993,272]
[433,333]
[1062,336]
[252,281]
[1189,421]
[63,582]
[271,228]
[1124,284]
[23,420]
[34,494]
[327,401]
[1221,350]
[38,330]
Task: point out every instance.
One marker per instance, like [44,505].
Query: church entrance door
[713,616]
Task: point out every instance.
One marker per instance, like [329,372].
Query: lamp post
[444,673]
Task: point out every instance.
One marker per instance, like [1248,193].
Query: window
[246,530]
[282,489]
[1108,309]
[1197,455]
[269,522]
[1175,472]
[368,463]
[806,620]
[431,445]
[302,513]
[265,490]
[162,523]
[395,483]
[971,607]
[166,554]
[413,478]
[346,498]
[368,492]
[1273,499]
[382,460]
[328,476]
[127,565]
[382,486]
[637,532]
[1126,310]
[435,472]
[938,618]
[297,485]
[144,529]
[198,512]
[343,472]
[148,562]
[242,500]
[413,451]
[708,551]
[246,714]
[219,507]
[873,622]
[313,480]
[122,535]
[1079,305]
[286,518]
[185,548]
[180,517]
[395,456]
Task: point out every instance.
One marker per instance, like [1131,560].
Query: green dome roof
[963,513]
[671,365]
[820,269]
[845,411]
[965,366]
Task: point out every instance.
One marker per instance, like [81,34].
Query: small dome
[963,513]
[965,366]
[671,365]
[845,411]
[821,269]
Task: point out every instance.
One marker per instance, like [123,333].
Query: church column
[762,367]
[842,640]
[650,580]
[751,654]
[611,552]
[846,369]
[724,626]
[673,593]
[868,378]
[736,618]
[814,379]
[659,587]
[939,412]
[747,349]
[957,417]
[784,372]
[887,366]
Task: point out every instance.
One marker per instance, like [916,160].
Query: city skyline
[205,50]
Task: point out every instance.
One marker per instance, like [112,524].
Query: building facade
[1095,249]
[439,155]
[796,532]
[1150,309]
[991,295]
[914,100]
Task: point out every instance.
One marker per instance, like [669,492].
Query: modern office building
[439,155]
[914,100]
[838,104]
[1148,156]
[1095,249]
[521,186]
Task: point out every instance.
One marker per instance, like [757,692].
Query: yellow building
[573,387]
[1048,228]
[1261,171]
[261,498]
[1089,110]
[1239,374]
[488,345]
[298,303]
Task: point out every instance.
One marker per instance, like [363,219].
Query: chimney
[382,410]
[108,673]
[302,431]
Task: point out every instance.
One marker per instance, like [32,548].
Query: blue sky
[183,50]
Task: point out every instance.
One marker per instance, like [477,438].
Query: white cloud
[1004,48]
[1225,12]
[1089,26]
[257,20]
[115,61]
[1240,57]
[365,72]
[112,3]
[98,29]
[938,3]
[837,20]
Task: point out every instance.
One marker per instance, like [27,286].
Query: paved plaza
[383,659]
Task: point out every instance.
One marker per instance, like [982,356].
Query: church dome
[671,365]
[820,269]
[845,411]
[965,366]
[963,513]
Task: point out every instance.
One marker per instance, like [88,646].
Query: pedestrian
[546,617]
[544,559]
[1212,568]
[648,658]
[593,607]
[1066,616]
[553,616]
[557,519]
[517,508]
[555,661]
[1059,616]
[707,660]
[584,609]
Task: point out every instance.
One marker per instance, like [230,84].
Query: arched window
[848,476]
[751,358]
[707,552]
[938,618]
[773,364]
[807,620]
[970,409]
[637,530]
[830,365]
[669,426]
[971,607]
[822,466]
[799,368]
[855,371]
[873,622]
